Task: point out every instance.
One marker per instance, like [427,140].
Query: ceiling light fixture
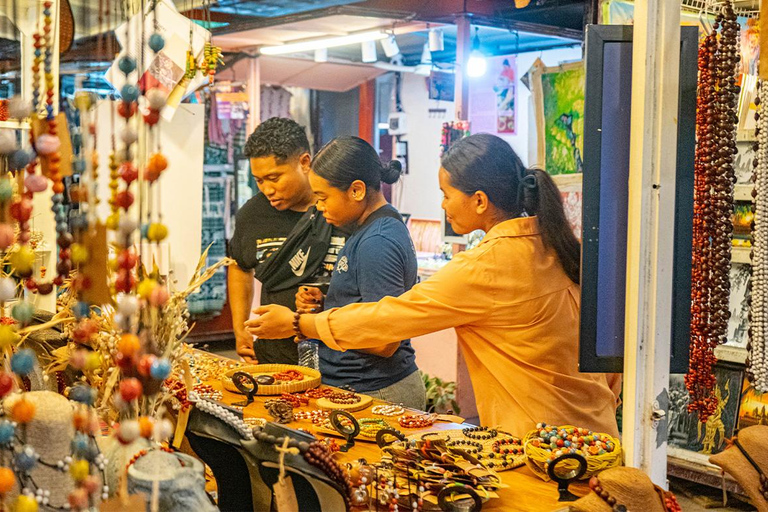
[325,42]
[436,40]
[368,49]
[321,55]
[476,65]
[390,46]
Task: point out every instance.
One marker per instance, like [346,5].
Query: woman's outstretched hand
[274,322]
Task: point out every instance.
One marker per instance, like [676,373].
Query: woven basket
[311,378]
[537,457]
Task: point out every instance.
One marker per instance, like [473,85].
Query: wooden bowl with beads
[310,378]
[538,454]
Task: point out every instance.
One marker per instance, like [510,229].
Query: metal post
[655,83]
[254,93]
[461,84]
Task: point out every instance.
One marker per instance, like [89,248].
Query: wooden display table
[526,491]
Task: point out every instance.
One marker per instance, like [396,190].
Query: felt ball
[146,287]
[146,426]
[21,210]
[161,369]
[129,345]
[144,231]
[126,109]
[6,384]
[130,389]
[19,159]
[7,480]
[159,296]
[129,93]
[156,42]
[129,135]
[126,64]
[151,117]
[124,199]
[145,364]
[8,143]
[19,108]
[79,469]
[23,361]
[156,98]
[113,221]
[23,312]
[91,484]
[6,189]
[78,498]
[128,172]
[80,444]
[163,430]
[157,162]
[78,254]
[7,236]
[22,261]
[25,503]
[127,225]
[80,420]
[47,144]
[36,183]
[127,259]
[26,459]
[82,393]
[92,361]
[157,232]
[128,431]
[7,289]
[81,310]
[7,431]
[127,304]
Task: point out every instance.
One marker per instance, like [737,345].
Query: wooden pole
[254,93]
[650,240]
[461,84]
[367,111]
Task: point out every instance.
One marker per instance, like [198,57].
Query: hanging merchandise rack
[744,8]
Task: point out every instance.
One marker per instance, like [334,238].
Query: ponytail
[485,162]
[541,197]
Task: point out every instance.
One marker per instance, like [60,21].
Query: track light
[321,55]
[325,42]
[369,51]
[390,46]
[436,40]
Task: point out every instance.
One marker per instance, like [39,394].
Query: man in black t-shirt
[276,232]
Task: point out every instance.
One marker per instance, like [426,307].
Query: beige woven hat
[750,443]
[630,487]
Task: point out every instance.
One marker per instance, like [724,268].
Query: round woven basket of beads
[310,378]
[547,442]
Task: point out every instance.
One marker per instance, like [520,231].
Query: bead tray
[311,379]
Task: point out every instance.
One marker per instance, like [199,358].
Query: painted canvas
[738,323]
[742,218]
[572,206]
[559,95]
[743,163]
[685,429]
[754,407]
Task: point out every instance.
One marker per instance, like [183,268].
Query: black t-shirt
[260,231]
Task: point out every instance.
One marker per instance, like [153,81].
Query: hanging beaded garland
[757,365]
[713,205]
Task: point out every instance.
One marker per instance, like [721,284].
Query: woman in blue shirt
[378,260]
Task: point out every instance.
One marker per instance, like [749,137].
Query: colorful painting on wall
[559,101]
[754,407]
[685,429]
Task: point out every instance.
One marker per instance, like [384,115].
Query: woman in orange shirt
[513,300]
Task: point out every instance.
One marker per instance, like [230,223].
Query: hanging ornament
[713,205]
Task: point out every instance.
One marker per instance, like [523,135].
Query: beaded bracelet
[388,410]
[416,421]
[369,427]
[476,447]
[344,398]
[480,433]
[297,326]
[512,441]
[594,484]
[288,375]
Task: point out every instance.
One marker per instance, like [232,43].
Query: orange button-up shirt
[516,315]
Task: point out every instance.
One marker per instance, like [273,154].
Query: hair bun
[391,172]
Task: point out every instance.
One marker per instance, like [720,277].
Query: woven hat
[734,462]
[628,486]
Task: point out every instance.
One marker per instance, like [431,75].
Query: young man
[280,238]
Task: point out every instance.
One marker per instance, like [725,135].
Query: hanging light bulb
[369,51]
[476,64]
[436,40]
[390,46]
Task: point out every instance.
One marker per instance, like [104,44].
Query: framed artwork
[558,95]
[684,428]
[742,165]
[754,407]
[738,323]
[493,97]
[570,186]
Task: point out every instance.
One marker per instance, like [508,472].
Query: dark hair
[279,137]
[347,159]
[486,163]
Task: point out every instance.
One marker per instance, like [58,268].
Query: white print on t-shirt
[342,265]
[299,262]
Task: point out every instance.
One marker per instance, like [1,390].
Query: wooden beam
[461,83]
[367,111]
[650,235]
[254,94]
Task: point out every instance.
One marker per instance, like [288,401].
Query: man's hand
[274,322]
[245,350]
[309,299]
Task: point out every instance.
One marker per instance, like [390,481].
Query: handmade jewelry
[207,391]
[416,420]
[369,427]
[594,485]
[315,416]
[344,398]
[388,410]
[318,393]
[288,376]
[142,453]
[299,336]
[713,205]
[224,414]
[514,442]
[295,399]
[473,446]
[280,410]
[480,433]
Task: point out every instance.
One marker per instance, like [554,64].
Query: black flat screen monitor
[605,213]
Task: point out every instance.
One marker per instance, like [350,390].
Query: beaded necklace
[713,205]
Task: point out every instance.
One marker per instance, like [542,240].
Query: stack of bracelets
[416,420]
[472,447]
[344,398]
[316,417]
[295,399]
[480,433]
[388,410]
[288,376]
[369,427]
[318,393]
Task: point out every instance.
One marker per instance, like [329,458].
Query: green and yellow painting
[563,97]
